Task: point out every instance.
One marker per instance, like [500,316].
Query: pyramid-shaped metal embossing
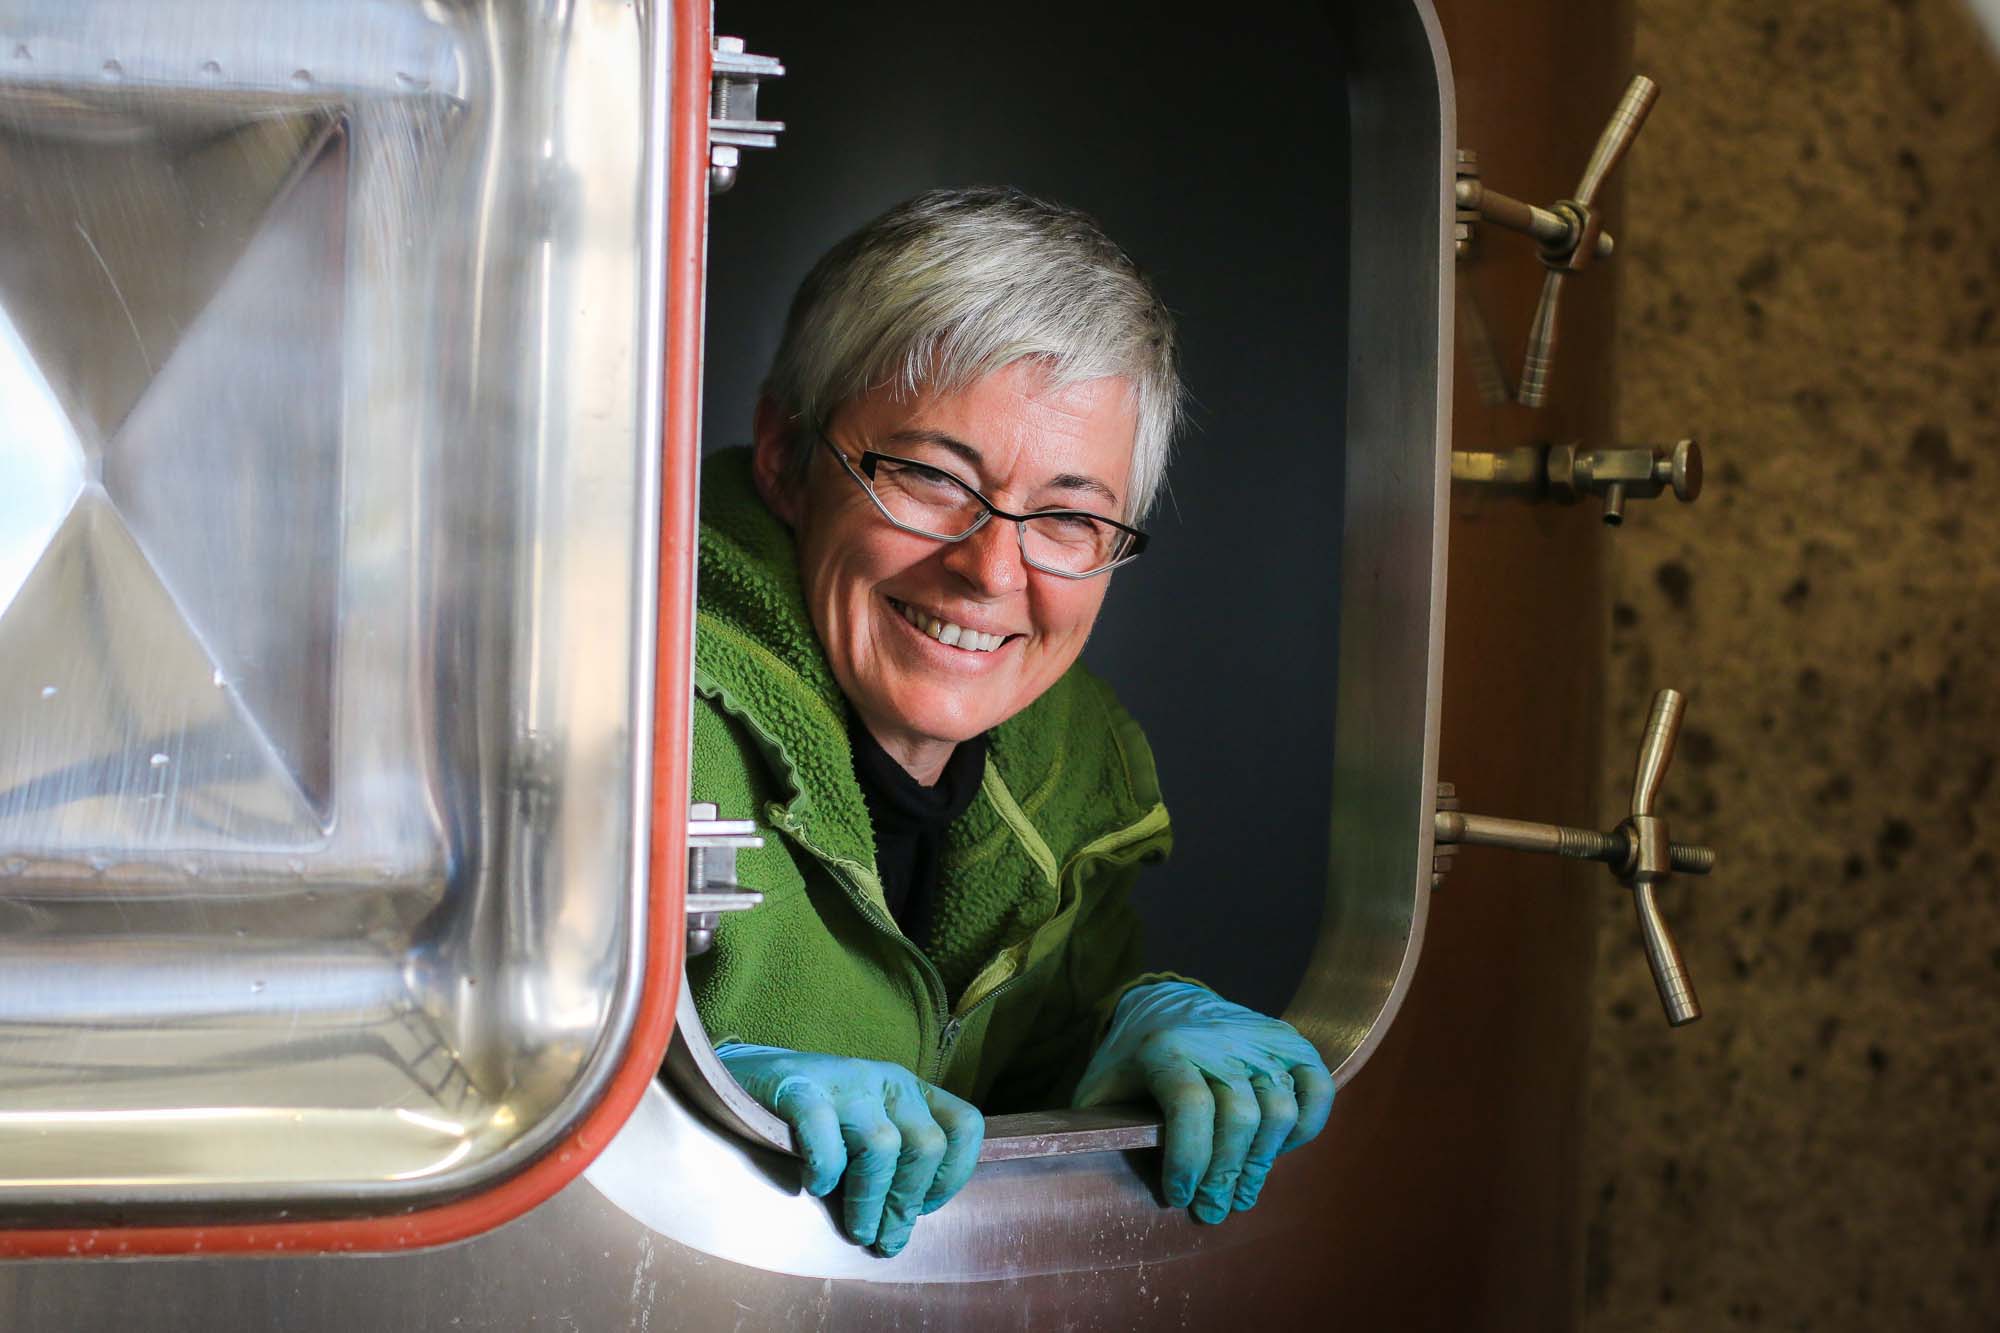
[120,742]
[41,462]
[166,609]
[120,226]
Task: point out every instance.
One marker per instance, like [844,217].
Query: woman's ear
[771,461]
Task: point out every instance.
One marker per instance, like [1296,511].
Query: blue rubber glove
[1236,1088]
[903,1146]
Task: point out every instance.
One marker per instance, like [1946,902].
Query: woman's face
[1025,444]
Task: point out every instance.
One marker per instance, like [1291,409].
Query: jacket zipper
[949,1025]
[946,1025]
[958,1022]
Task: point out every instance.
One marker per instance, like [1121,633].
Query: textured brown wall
[1811,285]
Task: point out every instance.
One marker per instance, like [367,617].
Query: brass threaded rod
[1613,849]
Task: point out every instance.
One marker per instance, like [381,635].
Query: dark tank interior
[1218,158]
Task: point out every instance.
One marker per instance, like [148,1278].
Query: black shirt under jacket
[910,820]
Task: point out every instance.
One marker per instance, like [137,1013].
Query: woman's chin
[951,718]
[923,687]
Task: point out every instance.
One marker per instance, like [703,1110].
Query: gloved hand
[904,1146]
[1237,1089]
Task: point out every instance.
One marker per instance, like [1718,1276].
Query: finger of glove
[815,1132]
[916,1167]
[1237,1118]
[1189,1136]
[964,1131]
[1278,1107]
[1313,1086]
[873,1148]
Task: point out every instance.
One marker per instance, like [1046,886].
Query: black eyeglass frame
[870,459]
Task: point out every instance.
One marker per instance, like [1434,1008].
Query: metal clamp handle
[1656,749]
[1638,851]
[1627,118]
[1579,244]
[1653,864]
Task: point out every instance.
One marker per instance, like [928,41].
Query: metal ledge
[694,1071]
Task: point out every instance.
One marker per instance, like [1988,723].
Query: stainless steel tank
[1442,1195]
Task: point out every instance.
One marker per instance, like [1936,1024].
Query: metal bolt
[723,161]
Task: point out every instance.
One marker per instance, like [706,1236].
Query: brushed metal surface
[681,1224]
[326,570]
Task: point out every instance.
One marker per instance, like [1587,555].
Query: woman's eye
[930,477]
[1070,525]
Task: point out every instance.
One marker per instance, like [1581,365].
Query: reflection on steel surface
[325,595]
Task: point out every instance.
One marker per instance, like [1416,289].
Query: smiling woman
[968,414]
[1028,441]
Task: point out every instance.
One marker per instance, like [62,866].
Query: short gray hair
[953,285]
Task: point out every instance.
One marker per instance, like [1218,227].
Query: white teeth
[944,631]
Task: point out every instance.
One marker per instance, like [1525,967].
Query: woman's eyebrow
[1071,481]
[951,444]
[1063,481]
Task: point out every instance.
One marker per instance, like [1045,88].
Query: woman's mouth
[947,633]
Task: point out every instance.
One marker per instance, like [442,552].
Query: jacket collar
[757,651]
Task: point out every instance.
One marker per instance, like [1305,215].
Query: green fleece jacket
[1032,941]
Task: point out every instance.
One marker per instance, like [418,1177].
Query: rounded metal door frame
[1392,608]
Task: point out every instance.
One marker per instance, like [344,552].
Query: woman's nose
[990,559]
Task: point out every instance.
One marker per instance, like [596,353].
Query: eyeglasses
[919,498]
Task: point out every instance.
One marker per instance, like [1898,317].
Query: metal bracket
[712,887]
[1441,846]
[1638,850]
[732,112]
